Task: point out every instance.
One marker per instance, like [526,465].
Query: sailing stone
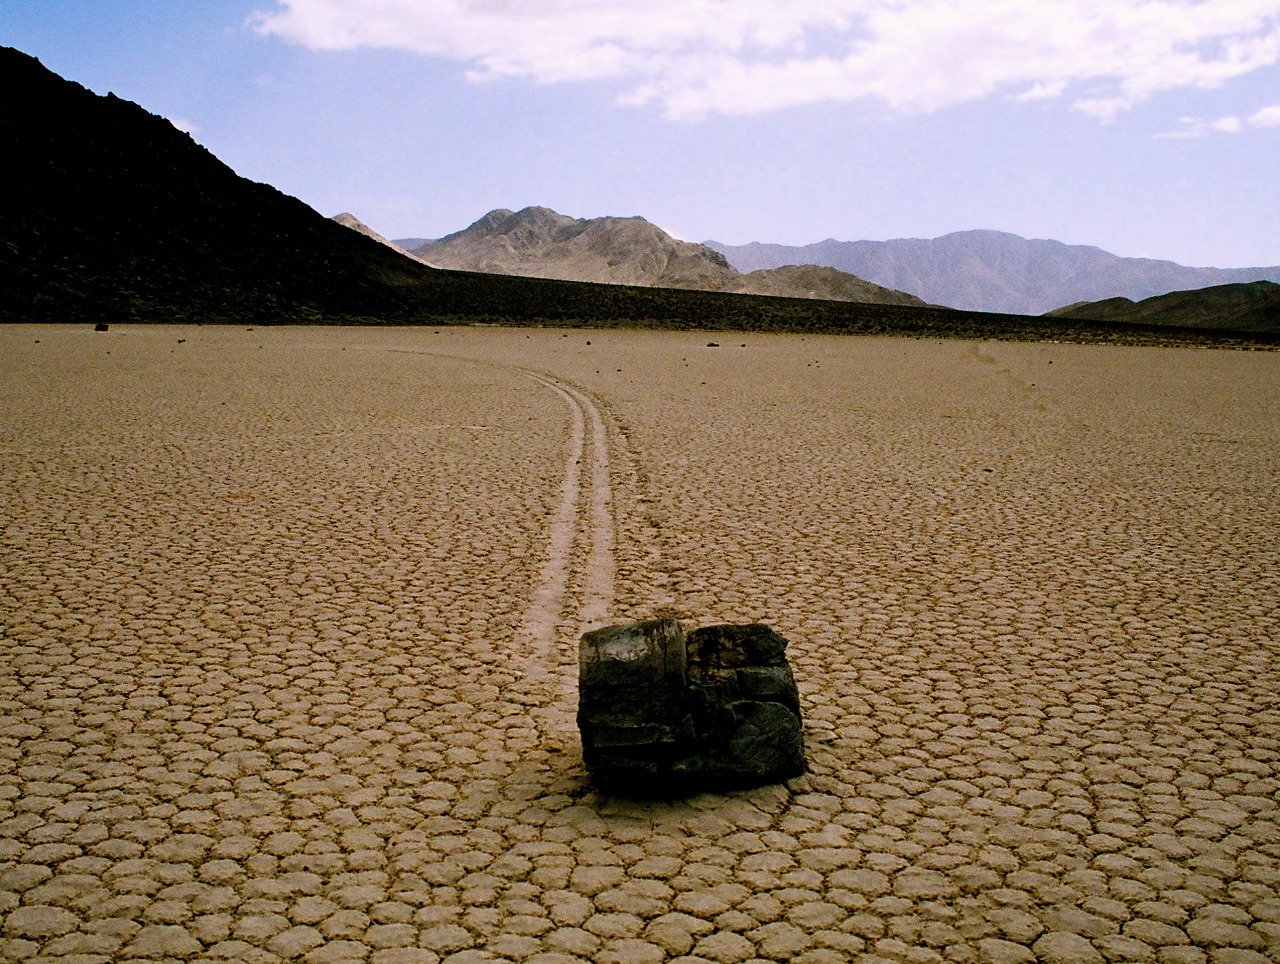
[662,712]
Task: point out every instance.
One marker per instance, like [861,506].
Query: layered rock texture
[539,242]
[662,712]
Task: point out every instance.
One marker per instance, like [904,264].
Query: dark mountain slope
[1243,307]
[348,220]
[109,211]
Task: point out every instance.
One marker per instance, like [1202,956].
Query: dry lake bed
[290,620]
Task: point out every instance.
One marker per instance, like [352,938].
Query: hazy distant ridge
[993,270]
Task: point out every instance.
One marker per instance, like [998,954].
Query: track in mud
[572,525]
[545,620]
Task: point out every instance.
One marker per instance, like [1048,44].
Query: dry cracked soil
[290,616]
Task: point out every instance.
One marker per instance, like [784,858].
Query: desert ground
[290,623]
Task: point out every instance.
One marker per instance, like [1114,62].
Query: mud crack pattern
[288,619]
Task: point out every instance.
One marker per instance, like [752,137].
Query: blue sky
[1147,127]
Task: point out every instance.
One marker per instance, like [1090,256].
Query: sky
[1149,128]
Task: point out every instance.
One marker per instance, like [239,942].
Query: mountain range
[538,242]
[993,270]
[970,270]
[109,213]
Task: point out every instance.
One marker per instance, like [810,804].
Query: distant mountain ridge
[539,242]
[994,270]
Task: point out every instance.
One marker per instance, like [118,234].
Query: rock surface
[665,712]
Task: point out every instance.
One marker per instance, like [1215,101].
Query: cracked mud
[290,621]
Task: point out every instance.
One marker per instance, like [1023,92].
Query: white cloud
[698,57]
[1267,117]
[184,125]
[1196,127]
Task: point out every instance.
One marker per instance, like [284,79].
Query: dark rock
[102,326]
[664,713]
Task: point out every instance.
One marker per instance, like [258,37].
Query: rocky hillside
[538,242]
[348,220]
[994,271]
[814,281]
[1243,307]
[111,213]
